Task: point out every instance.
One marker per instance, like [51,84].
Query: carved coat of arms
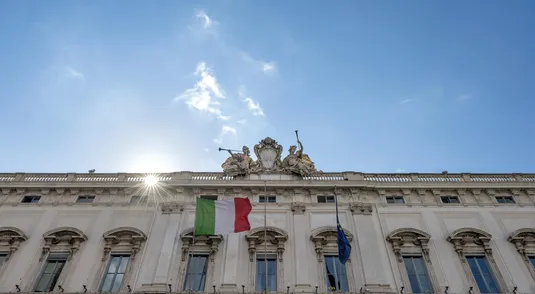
[268,152]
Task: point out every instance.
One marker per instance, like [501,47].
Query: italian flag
[213,217]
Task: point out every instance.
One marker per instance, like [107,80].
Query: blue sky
[372,86]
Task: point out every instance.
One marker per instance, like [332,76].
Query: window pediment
[406,241]
[206,244]
[10,239]
[123,239]
[326,241]
[63,239]
[271,237]
[524,241]
[470,240]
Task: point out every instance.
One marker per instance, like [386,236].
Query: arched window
[197,262]
[474,249]
[334,275]
[121,246]
[10,240]
[524,241]
[60,246]
[412,253]
[266,248]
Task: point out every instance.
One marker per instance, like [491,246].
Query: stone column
[370,245]
[301,234]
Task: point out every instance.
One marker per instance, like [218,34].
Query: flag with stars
[344,246]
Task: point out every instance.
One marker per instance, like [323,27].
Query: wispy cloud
[207,21]
[204,94]
[253,106]
[265,66]
[225,130]
[71,73]
[407,101]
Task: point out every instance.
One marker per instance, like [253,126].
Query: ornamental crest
[268,152]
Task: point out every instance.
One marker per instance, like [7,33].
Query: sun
[151,180]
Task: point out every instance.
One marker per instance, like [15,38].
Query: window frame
[124,273]
[475,242]
[205,272]
[209,197]
[442,198]
[511,198]
[524,242]
[275,245]
[325,244]
[328,199]
[395,198]
[31,201]
[268,197]
[338,265]
[492,275]
[269,257]
[45,264]
[92,197]
[411,242]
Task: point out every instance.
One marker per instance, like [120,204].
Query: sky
[372,86]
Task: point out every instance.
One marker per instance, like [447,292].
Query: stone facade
[444,218]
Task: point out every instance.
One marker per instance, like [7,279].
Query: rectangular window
[449,199]
[113,279]
[417,272]
[264,262]
[336,276]
[3,257]
[532,260]
[85,199]
[395,200]
[196,274]
[505,199]
[482,274]
[325,199]
[209,197]
[51,271]
[31,199]
[270,199]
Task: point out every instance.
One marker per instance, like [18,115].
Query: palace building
[409,233]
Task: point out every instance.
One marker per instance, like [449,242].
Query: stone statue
[298,162]
[238,163]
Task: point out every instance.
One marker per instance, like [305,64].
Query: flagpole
[339,263]
[265,238]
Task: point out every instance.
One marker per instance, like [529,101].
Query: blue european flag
[344,246]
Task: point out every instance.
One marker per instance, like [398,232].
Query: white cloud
[407,101]
[254,107]
[202,96]
[241,121]
[224,131]
[71,73]
[207,21]
[269,67]
[264,66]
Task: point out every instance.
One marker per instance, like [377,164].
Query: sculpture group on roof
[268,153]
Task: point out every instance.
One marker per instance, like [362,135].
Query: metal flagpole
[265,239]
[339,263]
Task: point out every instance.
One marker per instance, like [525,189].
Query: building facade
[410,233]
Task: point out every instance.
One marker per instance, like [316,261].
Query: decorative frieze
[298,207]
[361,208]
[271,239]
[171,207]
[62,239]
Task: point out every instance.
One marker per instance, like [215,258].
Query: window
[417,272]
[532,260]
[336,277]
[113,279]
[85,199]
[209,197]
[31,199]
[196,273]
[505,199]
[266,262]
[524,241]
[449,199]
[482,274]
[3,257]
[51,271]
[270,199]
[325,199]
[395,200]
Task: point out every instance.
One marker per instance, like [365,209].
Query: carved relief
[207,244]
[524,241]
[124,240]
[10,240]
[62,239]
[298,207]
[171,207]
[238,164]
[361,208]
[268,152]
[325,240]
[270,238]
